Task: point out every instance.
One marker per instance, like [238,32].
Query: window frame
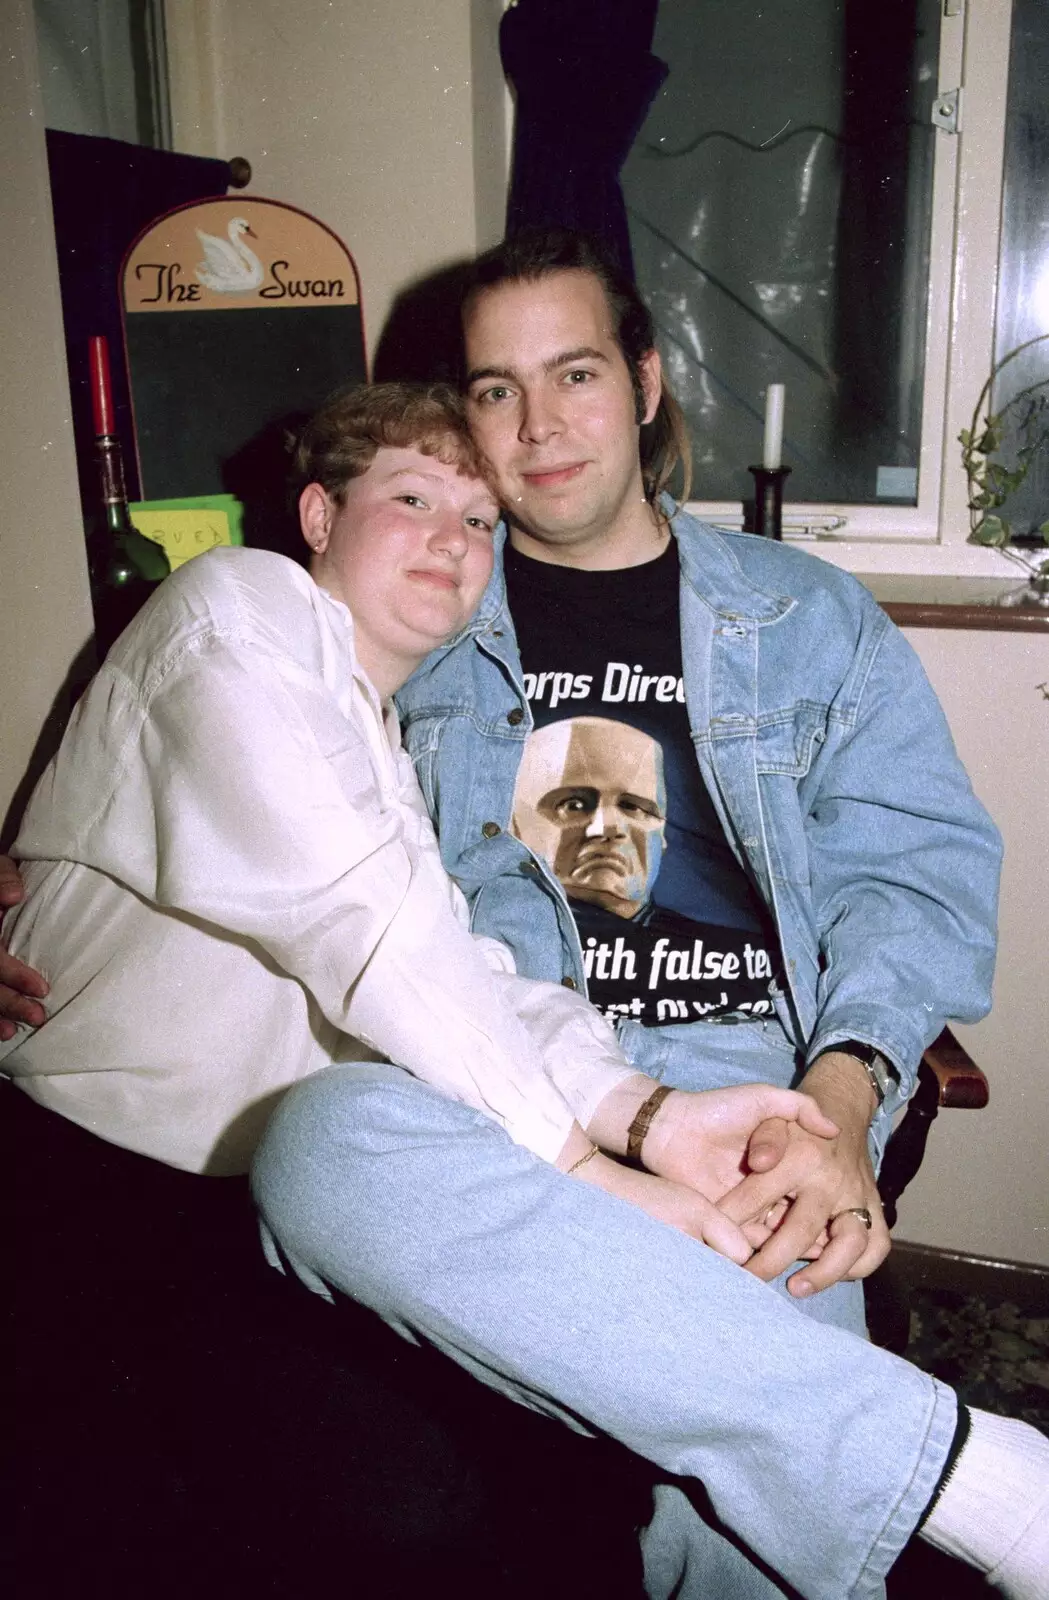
[931,537]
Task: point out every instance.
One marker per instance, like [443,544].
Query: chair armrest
[948,1077]
[962,1086]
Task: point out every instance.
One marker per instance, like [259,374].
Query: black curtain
[877,171]
[103,193]
[584,76]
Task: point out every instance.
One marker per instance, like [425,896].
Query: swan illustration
[230,267]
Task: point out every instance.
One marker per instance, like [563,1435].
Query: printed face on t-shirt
[591,801]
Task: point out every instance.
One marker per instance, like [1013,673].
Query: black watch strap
[881,1074]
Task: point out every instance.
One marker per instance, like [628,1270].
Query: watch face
[881,1072]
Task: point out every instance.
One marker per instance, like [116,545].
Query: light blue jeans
[818,1452]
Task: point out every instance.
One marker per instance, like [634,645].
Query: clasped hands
[765,1176]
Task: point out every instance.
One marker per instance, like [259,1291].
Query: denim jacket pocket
[787,740]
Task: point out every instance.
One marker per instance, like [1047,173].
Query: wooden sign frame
[239,315]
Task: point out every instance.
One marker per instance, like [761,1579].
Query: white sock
[993,1511]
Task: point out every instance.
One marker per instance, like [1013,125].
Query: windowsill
[902,551]
[921,583]
[934,560]
[922,601]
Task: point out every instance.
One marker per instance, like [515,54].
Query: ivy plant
[1024,417]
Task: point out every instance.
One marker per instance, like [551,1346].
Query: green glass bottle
[123,565]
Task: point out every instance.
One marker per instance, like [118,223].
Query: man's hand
[823,1179]
[20,986]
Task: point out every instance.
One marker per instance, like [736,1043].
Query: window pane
[780,197]
[103,69]
[1023,270]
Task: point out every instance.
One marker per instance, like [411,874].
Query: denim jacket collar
[711,570]
[707,564]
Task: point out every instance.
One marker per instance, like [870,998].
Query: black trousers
[183,1416]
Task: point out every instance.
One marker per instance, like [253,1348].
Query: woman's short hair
[339,442]
[536,253]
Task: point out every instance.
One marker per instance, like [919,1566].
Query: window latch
[794,527]
[947,112]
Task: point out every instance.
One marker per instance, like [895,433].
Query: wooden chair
[950,1080]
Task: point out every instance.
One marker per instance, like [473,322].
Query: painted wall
[984,1184]
[368,114]
[45,615]
[362,112]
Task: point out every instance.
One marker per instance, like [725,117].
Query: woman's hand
[673,1203]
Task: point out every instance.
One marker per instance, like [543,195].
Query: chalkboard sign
[238,313]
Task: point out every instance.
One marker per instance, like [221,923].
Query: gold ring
[856,1211]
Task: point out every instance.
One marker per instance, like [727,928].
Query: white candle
[772,455]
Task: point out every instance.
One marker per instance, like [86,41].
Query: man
[816,811]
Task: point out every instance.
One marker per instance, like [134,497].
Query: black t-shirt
[610,796]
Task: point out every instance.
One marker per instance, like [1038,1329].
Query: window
[783,234]
[801,212]
[103,68]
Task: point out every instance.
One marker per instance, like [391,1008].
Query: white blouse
[233,882]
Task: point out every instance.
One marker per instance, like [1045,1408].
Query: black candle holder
[767,508]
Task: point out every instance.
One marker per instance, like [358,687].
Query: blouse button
[569,983]
[515,716]
[491,830]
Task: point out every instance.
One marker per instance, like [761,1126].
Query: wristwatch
[881,1074]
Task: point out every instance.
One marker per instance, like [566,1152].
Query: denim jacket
[830,765]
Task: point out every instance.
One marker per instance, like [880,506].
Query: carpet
[993,1353]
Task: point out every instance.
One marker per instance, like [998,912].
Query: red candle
[101,388]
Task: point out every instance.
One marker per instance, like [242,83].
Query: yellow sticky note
[183,533]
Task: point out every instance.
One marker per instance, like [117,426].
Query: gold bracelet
[635,1136]
[591,1153]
